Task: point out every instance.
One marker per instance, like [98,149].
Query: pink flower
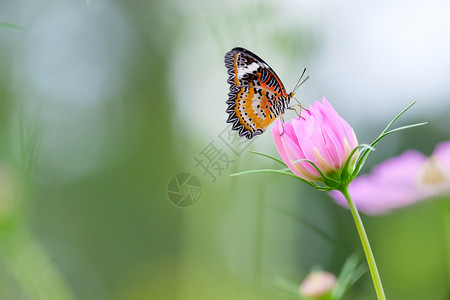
[401,181]
[320,136]
[318,284]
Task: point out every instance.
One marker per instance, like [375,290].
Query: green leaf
[314,185]
[365,153]
[405,127]
[396,117]
[287,287]
[351,271]
[12,26]
[269,156]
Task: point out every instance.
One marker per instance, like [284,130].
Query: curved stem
[365,243]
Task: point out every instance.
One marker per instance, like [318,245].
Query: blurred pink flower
[401,181]
[318,284]
[320,136]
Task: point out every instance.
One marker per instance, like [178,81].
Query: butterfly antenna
[300,82]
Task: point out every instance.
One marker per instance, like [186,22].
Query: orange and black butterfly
[257,96]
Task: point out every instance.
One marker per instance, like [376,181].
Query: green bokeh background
[102,103]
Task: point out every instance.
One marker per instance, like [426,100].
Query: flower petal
[276,134]
[320,136]
[392,184]
[290,152]
[295,153]
[442,153]
[326,116]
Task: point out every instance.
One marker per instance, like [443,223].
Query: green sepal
[329,182]
[345,174]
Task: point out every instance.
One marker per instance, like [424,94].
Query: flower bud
[320,136]
[318,284]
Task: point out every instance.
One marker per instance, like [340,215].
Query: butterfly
[257,96]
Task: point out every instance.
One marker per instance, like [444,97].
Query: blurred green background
[102,103]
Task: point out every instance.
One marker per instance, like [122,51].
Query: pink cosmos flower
[321,136]
[318,284]
[401,181]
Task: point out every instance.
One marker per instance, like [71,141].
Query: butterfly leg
[300,108]
[293,108]
[282,124]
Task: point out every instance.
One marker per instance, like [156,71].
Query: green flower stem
[444,209]
[366,246]
[447,231]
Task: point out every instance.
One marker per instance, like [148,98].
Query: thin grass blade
[12,26]
[269,156]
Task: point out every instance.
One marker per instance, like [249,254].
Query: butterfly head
[287,99]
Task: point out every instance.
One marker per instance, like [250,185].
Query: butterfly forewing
[257,96]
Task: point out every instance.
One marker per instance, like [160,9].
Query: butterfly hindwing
[250,110]
[257,96]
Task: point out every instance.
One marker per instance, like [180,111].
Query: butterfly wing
[251,111]
[257,96]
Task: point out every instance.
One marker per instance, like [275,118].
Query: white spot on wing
[248,69]
[257,110]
